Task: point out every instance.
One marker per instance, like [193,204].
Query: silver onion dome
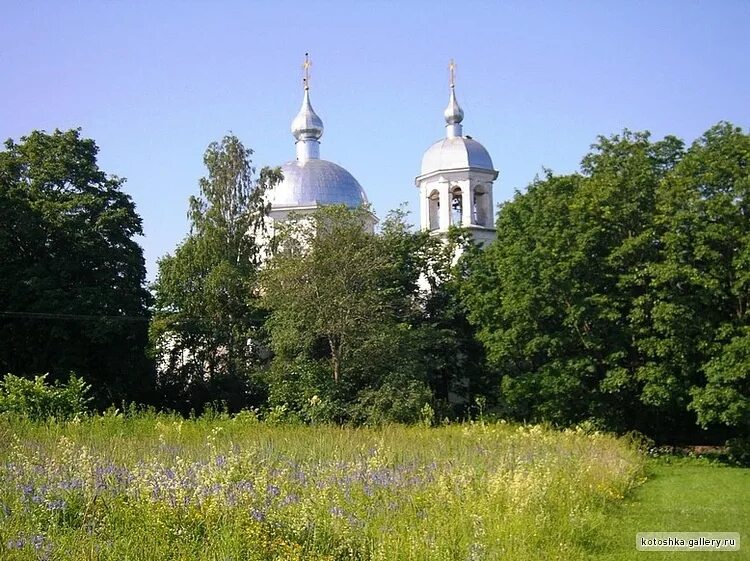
[455,151]
[307,125]
[453,113]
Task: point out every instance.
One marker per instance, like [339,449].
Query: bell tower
[455,183]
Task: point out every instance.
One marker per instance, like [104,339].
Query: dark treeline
[616,296]
[72,278]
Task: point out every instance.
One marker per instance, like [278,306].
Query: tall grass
[160,487]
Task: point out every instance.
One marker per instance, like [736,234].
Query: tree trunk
[335,358]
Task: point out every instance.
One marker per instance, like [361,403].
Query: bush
[396,401]
[739,451]
[38,400]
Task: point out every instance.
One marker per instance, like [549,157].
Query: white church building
[455,183]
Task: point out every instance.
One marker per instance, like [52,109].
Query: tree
[207,320]
[553,296]
[340,303]
[699,319]
[322,284]
[518,295]
[619,294]
[423,287]
[72,296]
[367,327]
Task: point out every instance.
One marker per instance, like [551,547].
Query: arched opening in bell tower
[457,206]
[481,212]
[433,207]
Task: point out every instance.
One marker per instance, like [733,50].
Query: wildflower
[290,499]
[246,486]
[70,484]
[258,515]
[337,511]
[355,522]
[56,505]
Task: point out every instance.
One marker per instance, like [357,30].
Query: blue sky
[155,82]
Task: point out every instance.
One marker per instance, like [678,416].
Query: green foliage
[38,400]
[725,399]
[328,314]
[355,334]
[206,325]
[423,287]
[321,285]
[703,279]
[394,401]
[73,275]
[304,388]
[738,451]
[618,294]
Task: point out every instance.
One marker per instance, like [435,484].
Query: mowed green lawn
[682,495]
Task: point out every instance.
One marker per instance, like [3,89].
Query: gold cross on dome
[452,70]
[306,66]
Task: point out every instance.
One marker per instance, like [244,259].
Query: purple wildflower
[56,505]
[290,499]
[37,541]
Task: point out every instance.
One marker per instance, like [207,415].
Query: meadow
[159,487]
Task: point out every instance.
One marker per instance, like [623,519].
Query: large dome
[316,182]
[457,152]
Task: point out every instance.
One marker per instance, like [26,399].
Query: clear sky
[155,82]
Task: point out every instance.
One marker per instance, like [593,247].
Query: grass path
[681,495]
